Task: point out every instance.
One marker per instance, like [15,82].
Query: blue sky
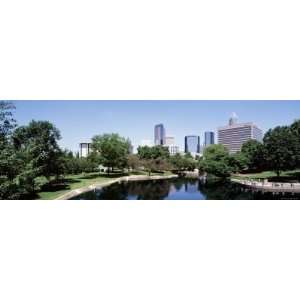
[78,121]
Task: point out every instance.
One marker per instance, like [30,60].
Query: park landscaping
[74,182]
[285,176]
[33,165]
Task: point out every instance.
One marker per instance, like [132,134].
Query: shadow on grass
[289,177]
[62,184]
[102,175]
[294,174]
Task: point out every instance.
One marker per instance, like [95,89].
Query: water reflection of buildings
[147,190]
[191,187]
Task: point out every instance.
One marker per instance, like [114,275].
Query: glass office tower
[192,144]
[159,135]
[209,138]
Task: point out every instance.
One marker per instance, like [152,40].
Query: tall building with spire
[235,134]
[233,119]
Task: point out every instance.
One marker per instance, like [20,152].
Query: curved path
[283,187]
[76,192]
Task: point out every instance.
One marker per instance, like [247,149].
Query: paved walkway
[269,186]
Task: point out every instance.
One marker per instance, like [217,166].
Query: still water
[177,189]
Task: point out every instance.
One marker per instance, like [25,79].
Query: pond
[178,189]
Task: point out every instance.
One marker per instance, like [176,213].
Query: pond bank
[79,191]
[280,187]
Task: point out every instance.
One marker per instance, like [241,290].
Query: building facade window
[192,144]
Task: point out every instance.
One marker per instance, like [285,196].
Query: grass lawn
[72,182]
[271,176]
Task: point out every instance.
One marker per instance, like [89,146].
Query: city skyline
[79,121]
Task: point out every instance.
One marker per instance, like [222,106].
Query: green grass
[72,182]
[270,175]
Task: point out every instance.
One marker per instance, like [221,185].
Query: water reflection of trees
[116,191]
[230,191]
[160,189]
[178,183]
[147,190]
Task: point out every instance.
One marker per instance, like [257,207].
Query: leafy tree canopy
[111,150]
[278,144]
[216,161]
[146,152]
[254,153]
[37,144]
[7,122]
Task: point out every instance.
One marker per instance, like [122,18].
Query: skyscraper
[236,134]
[173,149]
[84,149]
[192,144]
[170,140]
[159,135]
[209,138]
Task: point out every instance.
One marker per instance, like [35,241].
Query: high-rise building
[192,144]
[159,135]
[84,149]
[170,140]
[236,134]
[209,138]
[173,149]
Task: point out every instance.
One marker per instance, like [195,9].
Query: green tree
[216,161]
[188,155]
[10,167]
[9,162]
[189,163]
[75,164]
[149,165]
[278,144]
[146,152]
[238,162]
[37,145]
[7,122]
[133,161]
[178,162]
[183,162]
[254,153]
[295,131]
[111,150]
[160,152]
